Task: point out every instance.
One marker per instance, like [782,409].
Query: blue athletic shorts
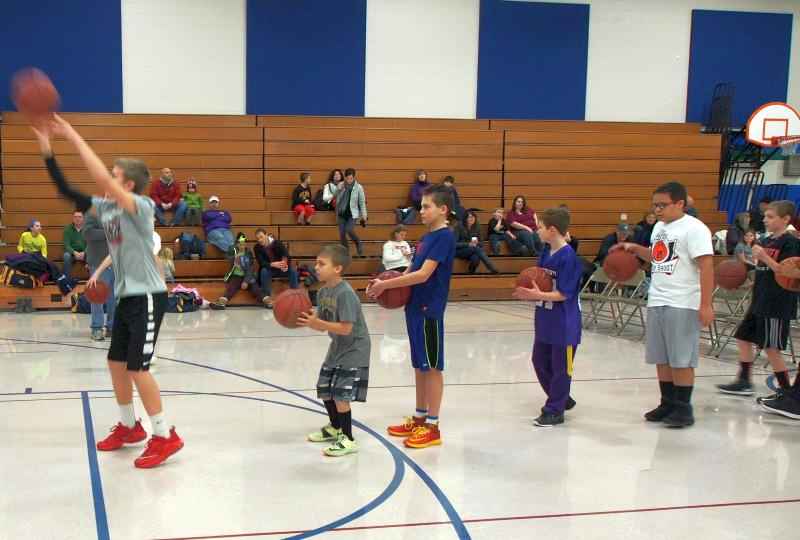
[426,337]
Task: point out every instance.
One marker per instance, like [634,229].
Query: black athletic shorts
[137,320]
[764,332]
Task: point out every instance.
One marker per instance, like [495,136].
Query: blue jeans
[179,209]
[222,238]
[98,309]
[530,240]
[69,260]
[347,228]
[267,273]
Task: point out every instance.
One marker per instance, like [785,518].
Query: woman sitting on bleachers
[32,240]
[330,188]
[396,252]
[524,224]
[469,243]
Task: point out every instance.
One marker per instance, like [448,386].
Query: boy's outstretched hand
[309,319]
[533,294]
[375,288]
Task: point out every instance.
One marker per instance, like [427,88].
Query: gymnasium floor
[240,392]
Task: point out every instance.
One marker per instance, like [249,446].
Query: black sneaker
[659,413]
[772,397]
[548,419]
[738,387]
[217,306]
[680,417]
[570,403]
[787,404]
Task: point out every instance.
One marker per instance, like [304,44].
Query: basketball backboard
[773,120]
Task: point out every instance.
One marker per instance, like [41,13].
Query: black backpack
[319,200]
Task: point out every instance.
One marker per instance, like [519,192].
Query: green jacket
[193,200]
[73,240]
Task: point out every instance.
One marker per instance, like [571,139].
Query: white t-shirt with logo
[675,275]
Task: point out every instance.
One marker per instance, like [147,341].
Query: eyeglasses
[662,205]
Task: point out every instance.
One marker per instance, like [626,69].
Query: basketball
[34,94]
[289,304]
[790,284]
[621,265]
[536,274]
[730,274]
[393,298]
[97,294]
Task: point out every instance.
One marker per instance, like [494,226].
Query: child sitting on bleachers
[468,243]
[32,240]
[168,264]
[499,232]
[241,276]
[301,200]
[194,204]
[396,252]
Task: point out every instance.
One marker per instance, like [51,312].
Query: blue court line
[100,517]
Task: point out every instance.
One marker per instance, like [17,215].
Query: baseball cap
[623,227]
[213,198]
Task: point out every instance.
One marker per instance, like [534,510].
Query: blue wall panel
[750,50]
[306,57]
[77,43]
[532,60]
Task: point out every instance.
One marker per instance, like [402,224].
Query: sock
[783,379]
[683,394]
[667,390]
[433,420]
[421,413]
[159,425]
[127,415]
[346,420]
[333,414]
[744,371]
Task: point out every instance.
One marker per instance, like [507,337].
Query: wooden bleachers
[600,169]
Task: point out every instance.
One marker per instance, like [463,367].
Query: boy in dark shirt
[273,261]
[558,319]
[429,278]
[767,322]
[301,200]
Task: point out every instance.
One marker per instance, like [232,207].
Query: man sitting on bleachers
[622,234]
[166,193]
[217,226]
[74,243]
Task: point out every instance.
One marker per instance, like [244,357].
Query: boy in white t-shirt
[679,302]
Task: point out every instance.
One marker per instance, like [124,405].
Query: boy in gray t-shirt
[127,219]
[345,372]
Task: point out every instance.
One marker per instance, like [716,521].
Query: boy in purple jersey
[557,327]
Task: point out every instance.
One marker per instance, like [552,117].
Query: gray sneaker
[97,334]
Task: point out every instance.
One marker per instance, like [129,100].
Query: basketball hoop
[774,124]
[787,143]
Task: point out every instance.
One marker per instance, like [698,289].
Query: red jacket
[163,193]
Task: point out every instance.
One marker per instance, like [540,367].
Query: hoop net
[788,143]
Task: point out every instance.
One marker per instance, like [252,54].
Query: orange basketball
[790,284]
[98,294]
[730,274]
[621,265]
[393,298]
[527,277]
[289,304]
[34,94]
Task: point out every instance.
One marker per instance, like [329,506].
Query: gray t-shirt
[341,304]
[130,243]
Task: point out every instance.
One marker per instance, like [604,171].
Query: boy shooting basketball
[345,373]
[679,301]
[127,218]
[429,278]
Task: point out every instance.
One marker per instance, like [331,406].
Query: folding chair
[729,309]
[596,302]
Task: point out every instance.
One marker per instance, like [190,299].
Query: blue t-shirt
[429,299]
[559,323]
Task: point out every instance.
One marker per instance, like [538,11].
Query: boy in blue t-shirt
[557,331]
[429,278]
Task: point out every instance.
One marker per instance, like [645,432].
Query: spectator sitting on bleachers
[166,193]
[644,229]
[690,208]
[396,251]
[301,200]
[757,215]
[523,222]
[622,234]
[32,240]
[241,276]
[351,206]
[450,182]
[736,232]
[743,252]
[74,243]
[499,232]
[96,251]
[217,226]
[468,243]
[273,261]
[194,203]
[419,185]
[167,258]
[329,190]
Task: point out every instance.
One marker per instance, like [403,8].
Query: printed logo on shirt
[773,253]
[665,259]
[327,308]
[112,227]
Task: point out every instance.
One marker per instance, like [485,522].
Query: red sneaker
[122,435]
[424,436]
[158,449]
[406,429]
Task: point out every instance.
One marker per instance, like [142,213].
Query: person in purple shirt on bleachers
[217,226]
